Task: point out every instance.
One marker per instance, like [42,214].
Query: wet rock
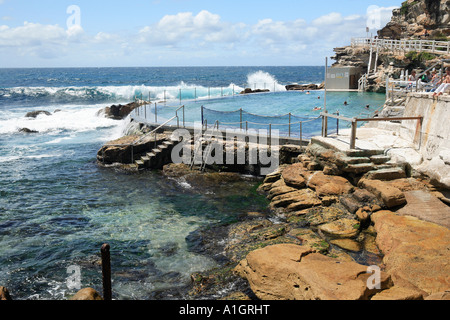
[391,196]
[4,294]
[87,294]
[26,130]
[347,244]
[118,112]
[343,228]
[248,91]
[363,215]
[311,239]
[35,114]
[320,215]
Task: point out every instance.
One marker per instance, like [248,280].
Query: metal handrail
[354,124]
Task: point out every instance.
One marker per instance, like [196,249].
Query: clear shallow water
[57,207]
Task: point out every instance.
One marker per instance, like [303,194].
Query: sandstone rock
[271,178]
[291,272]
[415,252]
[292,176]
[311,239]
[321,215]
[4,294]
[274,192]
[391,196]
[363,217]
[87,294]
[386,174]
[329,185]
[265,187]
[347,244]
[304,198]
[343,228]
[398,293]
[350,203]
[439,296]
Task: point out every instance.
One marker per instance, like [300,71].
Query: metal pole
[337,124]
[301,133]
[290,124]
[156,113]
[353,136]
[241,118]
[106,272]
[203,119]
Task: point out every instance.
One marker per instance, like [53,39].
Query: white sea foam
[264,80]
[71,119]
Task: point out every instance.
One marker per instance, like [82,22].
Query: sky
[146,33]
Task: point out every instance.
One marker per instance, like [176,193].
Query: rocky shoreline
[321,235]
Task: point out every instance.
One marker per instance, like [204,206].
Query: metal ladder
[199,147]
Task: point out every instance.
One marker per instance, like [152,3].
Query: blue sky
[98,33]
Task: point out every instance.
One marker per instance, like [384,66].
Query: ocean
[57,206]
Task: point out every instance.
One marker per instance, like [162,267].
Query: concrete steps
[371,163]
[157,157]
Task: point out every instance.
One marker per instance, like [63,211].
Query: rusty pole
[106,272]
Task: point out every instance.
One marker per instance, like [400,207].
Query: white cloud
[182,28]
[199,37]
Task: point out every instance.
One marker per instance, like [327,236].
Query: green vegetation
[417,59]
[440,37]
[405,7]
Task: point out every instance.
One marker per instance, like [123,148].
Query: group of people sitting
[438,85]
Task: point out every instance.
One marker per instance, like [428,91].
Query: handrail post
[241,119]
[203,119]
[301,133]
[353,135]
[337,124]
[290,115]
[106,272]
[270,135]
[156,113]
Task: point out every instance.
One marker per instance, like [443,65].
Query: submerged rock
[26,130]
[87,294]
[118,112]
[35,114]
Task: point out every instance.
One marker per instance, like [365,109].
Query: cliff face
[419,18]
[416,19]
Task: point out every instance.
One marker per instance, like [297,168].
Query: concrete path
[425,206]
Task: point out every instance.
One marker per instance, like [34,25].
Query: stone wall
[432,155]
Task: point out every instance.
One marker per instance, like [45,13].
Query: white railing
[431,46]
